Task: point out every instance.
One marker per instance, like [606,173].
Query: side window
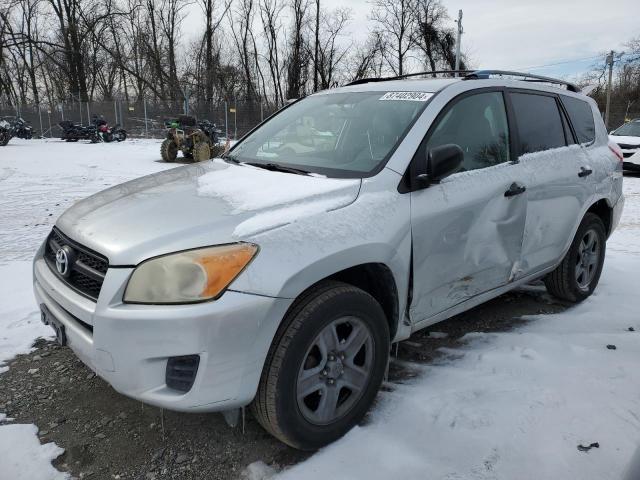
[581,118]
[478,124]
[539,123]
[567,129]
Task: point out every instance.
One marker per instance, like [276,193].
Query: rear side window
[539,122]
[581,118]
[478,124]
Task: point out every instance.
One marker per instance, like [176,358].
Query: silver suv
[279,275]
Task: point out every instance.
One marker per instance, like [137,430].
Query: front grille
[626,146]
[87,271]
[181,372]
[627,154]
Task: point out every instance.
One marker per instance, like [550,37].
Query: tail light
[613,146]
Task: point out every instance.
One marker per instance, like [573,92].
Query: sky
[520,35]
[517,35]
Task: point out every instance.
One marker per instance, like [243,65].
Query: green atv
[184,134]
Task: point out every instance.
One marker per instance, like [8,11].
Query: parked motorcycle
[22,129]
[72,132]
[112,134]
[5,135]
[14,127]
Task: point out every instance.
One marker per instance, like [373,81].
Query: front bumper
[129,345]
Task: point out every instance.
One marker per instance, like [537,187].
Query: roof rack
[475,75]
[527,77]
[406,75]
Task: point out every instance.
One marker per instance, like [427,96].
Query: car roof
[430,85]
[433,85]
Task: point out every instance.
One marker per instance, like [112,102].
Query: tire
[201,152]
[122,136]
[217,150]
[168,150]
[298,420]
[577,276]
[4,139]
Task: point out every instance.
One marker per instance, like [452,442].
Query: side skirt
[478,299]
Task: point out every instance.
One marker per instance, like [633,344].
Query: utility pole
[315,58]
[606,111]
[458,40]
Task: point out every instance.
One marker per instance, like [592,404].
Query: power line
[563,62]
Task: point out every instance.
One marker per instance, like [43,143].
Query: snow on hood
[254,188]
[625,139]
[204,204]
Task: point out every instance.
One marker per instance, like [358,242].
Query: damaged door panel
[467,237]
[467,230]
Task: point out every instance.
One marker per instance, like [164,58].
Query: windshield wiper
[229,158]
[274,167]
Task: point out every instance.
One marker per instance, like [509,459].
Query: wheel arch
[604,210]
[375,278]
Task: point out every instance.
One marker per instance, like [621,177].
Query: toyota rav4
[279,275]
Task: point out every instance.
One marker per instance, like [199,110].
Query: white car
[628,139]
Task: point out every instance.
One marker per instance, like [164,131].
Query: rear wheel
[201,152]
[168,150]
[324,367]
[577,276]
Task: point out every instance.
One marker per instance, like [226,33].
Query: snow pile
[24,458]
[248,188]
[257,471]
[516,405]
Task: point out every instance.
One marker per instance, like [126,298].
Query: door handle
[585,172]
[514,190]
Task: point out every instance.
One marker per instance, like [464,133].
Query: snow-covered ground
[512,405]
[39,179]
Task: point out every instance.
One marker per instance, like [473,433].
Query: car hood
[625,139]
[198,205]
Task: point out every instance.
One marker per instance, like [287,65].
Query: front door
[467,231]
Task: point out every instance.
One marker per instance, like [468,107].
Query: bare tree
[298,58]
[330,51]
[394,19]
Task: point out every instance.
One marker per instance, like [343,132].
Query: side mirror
[442,161]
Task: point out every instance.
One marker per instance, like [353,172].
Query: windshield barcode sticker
[407,96]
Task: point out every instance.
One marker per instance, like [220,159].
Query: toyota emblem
[63,261]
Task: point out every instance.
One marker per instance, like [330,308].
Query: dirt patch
[106,435]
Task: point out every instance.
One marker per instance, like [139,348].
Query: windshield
[631,129]
[337,135]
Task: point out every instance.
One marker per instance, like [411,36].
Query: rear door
[467,230]
[557,172]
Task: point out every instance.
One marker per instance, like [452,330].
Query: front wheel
[168,150]
[325,366]
[577,276]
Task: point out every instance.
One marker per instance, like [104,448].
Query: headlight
[190,276]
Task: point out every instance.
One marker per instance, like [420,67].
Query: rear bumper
[129,345]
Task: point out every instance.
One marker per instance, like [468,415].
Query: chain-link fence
[141,119]
[622,112]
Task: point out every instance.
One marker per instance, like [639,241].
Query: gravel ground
[106,435]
